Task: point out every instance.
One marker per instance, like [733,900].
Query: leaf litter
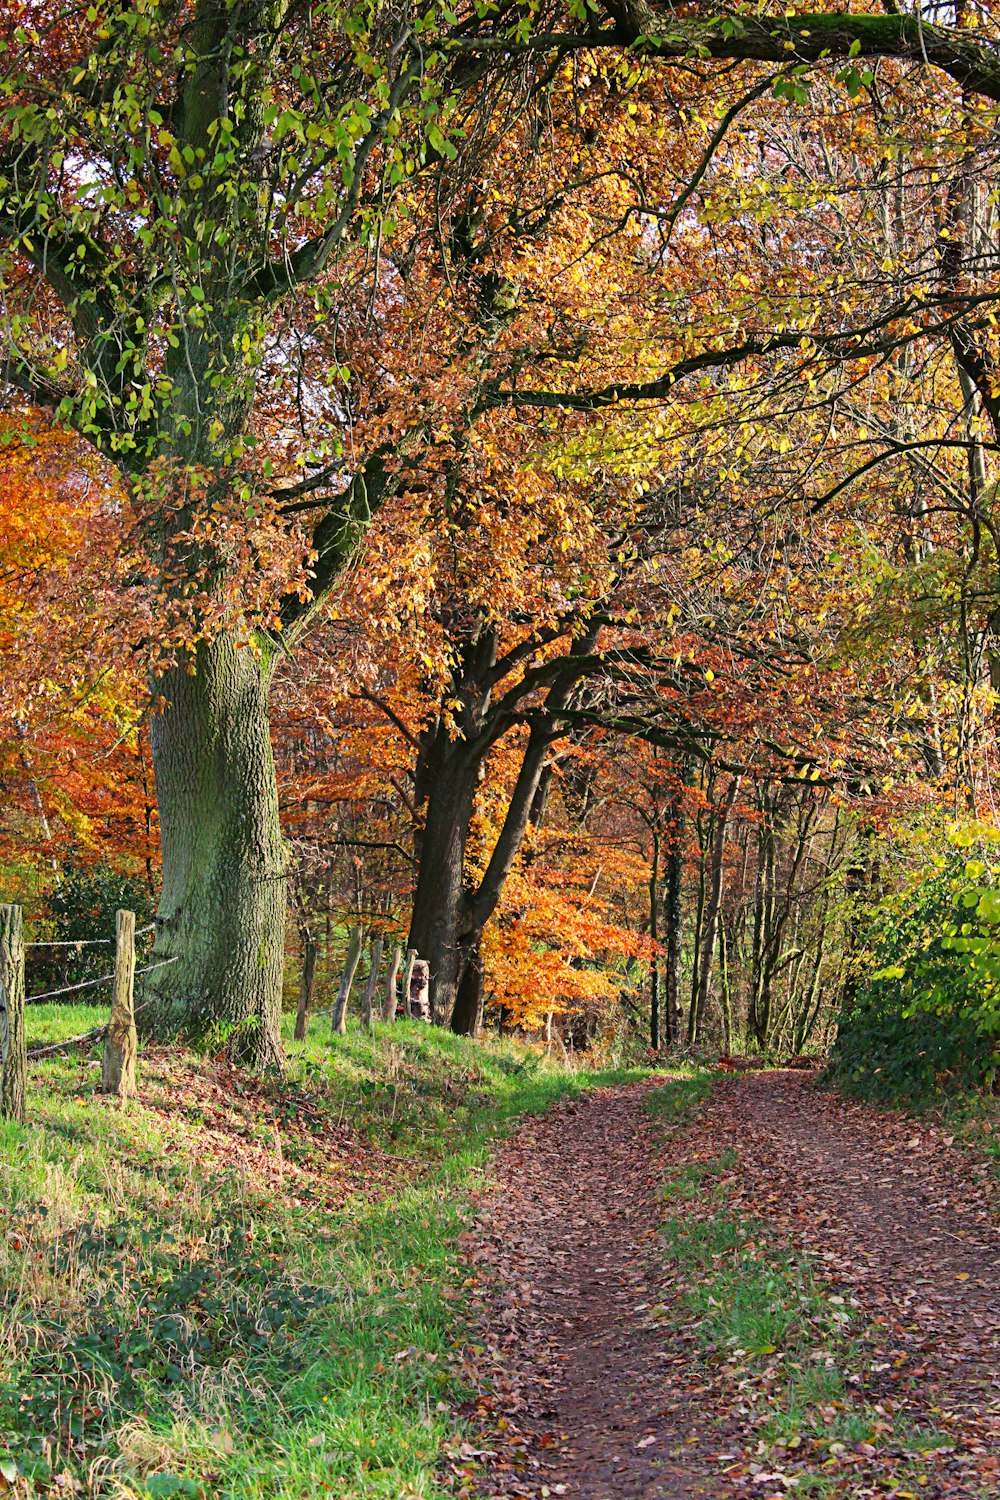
[593,1363]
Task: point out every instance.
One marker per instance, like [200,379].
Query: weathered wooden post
[411,958]
[13,1045]
[121,1045]
[389,1008]
[368,998]
[420,990]
[306,986]
[346,980]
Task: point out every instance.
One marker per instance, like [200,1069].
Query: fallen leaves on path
[901,1227]
[592,1379]
[572,1394]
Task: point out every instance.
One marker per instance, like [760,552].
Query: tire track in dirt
[582,1395]
[578,1371]
[893,1214]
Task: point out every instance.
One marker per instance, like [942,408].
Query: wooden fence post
[346,980]
[121,1045]
[411,958]
[389,1009]
[13,1045]
[368,999]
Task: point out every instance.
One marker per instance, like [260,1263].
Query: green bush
[924,1016]
[82,906]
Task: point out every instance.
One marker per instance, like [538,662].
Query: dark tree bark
[673,918]
[449,915]
[467,1017]
[713,908]
[654,973]
[306,982]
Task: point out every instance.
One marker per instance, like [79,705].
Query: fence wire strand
[84,942]
[48,1048]
[70,943]
[89,984]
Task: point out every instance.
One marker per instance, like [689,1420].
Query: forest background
[521,483]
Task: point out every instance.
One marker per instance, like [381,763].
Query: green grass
[243,1288]
[795,1349]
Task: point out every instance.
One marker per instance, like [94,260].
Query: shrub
[924,1016]
[83,906]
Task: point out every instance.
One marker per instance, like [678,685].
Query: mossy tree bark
[222,909]
[374,973]
[351,961]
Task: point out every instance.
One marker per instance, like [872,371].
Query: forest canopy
[517,480]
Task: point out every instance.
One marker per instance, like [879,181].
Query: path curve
[582,1395]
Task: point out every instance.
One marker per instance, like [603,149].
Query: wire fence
[85,942]
[89,984]
[48,1048]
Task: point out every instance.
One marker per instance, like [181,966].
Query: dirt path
[583,1395]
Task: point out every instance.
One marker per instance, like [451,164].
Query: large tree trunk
[439,900]
[221,918]
[467,1017]
[448,917]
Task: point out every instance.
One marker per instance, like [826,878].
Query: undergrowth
[241,1288]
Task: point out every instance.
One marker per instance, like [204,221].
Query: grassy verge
[235,1288]
[777,1343]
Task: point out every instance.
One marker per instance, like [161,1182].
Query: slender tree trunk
[704,845]
[339,1023]
[222,908]
[714,906]
[727,999]
[404,989]
[673,917]
[374,973]
[306,983]
[654,976]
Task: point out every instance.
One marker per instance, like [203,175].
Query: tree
[182,188]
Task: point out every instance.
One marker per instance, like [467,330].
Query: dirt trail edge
[578,1378]
[583,1395]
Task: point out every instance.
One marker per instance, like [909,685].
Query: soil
[585,1392]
